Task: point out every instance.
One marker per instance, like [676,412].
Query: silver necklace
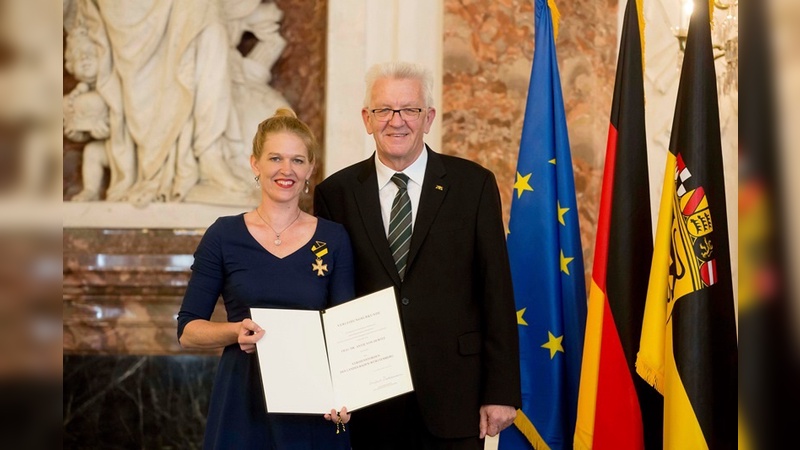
[277,240]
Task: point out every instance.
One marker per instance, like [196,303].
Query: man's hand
[495,418]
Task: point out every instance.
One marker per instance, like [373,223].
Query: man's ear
[365,118]
[429,119]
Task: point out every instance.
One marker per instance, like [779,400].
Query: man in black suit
[448,263]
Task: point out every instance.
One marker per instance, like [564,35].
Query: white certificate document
[350,355]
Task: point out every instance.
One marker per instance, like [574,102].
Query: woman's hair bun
[285,112]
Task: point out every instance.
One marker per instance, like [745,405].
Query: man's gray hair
[402,71]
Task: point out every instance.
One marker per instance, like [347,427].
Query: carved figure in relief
[180,95]
[85,111]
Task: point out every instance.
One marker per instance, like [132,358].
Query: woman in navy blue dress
[276,256]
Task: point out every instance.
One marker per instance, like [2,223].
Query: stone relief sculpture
[85,112]
[183,103]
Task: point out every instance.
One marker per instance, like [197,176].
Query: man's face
[398,141]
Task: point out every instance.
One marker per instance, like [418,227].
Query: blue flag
[546,260]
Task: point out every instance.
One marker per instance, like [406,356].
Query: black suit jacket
[456,302]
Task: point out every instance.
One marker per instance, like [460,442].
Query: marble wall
[127,382]
[126,402]
[488,52]
[123,288]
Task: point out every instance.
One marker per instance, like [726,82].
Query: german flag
[688,350]
[616,408]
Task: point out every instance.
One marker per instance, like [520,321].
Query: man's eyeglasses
[386,114]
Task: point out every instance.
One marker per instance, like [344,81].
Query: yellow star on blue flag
[522,184]
[564,261]
[553,344]
[520,319]
[561,212]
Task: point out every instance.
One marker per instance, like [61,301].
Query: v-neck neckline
[244,223]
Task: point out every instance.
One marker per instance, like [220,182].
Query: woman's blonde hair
[285,120]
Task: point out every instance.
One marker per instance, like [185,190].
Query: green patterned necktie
[400,224]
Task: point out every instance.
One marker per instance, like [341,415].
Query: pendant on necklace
[277,241]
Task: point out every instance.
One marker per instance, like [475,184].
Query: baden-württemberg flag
[688,350]
[616,408]
[546,259]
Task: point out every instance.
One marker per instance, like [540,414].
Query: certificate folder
[350,355]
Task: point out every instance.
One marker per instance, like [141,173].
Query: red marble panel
[122,290]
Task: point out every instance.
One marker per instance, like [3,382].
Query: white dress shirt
[387,188]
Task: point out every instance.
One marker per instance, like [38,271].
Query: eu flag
[544,248]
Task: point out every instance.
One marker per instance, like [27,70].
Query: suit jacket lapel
[434,190]
[369,205]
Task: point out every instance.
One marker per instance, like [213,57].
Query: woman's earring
[305,188]
[257,177]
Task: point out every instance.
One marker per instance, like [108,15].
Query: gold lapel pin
[439,187]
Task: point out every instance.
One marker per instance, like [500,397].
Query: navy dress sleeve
[205,284]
